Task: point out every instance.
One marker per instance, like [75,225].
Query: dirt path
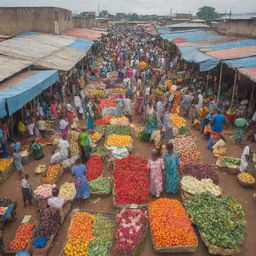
[11,189]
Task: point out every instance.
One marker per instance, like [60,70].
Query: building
[87,20]
[102,22]
[16,20]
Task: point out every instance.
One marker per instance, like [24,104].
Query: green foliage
[207,13]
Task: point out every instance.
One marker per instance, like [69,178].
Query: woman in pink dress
[54,109]
[156,167]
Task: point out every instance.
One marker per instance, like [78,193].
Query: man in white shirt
[55,201]
[147,91]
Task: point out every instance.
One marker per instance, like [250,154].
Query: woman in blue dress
[171,163]
[81,183]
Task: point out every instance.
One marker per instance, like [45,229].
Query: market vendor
[37,150]
[63,126]
[55,201]
[245,157]
[218,122]
[84,141]
[62,151]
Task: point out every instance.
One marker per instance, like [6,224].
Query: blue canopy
[81,44]
[22,92]
[227,45]
[3,112]
[249,62]
[206,62]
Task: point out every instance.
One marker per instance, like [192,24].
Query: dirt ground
[11,189]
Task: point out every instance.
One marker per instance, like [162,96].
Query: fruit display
[22,237]
[100,185]
[116,140]
[107,103]
[51,175]
[114,129]
[123,120]
[177,121]
[187,149]
[199,171]
[5,164]
[194,186]
[219,151]
[89,234]
[220,220]
[131,226]
[131,181]
[48,222]
[44,191]
[96,93]
[231,162]
[67,191]
[74,148]
[94,167]
[41,168]
[95,136]
[2,211]
[170,224]
[246,178]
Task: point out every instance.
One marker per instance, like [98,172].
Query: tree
[104,13]
[133,16]
[207,13]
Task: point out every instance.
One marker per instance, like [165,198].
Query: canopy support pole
[234,89]
[220,80]
[253,88]
[207,81]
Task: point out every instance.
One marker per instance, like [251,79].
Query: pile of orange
[51,174]
[80,234]
[170,224]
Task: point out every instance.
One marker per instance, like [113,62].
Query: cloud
[139,6]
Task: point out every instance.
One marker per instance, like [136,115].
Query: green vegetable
[100,185]
[220,219]
[98,247]
[114,129]
[232,161]
[100,151]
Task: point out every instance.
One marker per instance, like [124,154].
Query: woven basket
[246,185]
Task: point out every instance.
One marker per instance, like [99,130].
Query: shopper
[26,190]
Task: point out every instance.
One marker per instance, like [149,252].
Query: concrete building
[15,20]
[88,20]
[237,27]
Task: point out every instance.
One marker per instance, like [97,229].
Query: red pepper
[94,167]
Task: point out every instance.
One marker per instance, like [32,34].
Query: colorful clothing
[37,151]
[172,181]
[54,110]
[240,124]
[156,176]
[81,183]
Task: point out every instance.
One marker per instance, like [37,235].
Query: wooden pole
[207,81]
[234,89]
[220,80]
[253,88]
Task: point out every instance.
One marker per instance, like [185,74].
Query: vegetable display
[22,237]
[74,148]
[123,120]
[194,186]
[4,164]
[232,163]
[131,181]
[187,149]
[51,175]
[100,151]
[41,168]
[96,135]
[115,140]
[67,191]
[44,191]
[246,177]
[94,167]
[170,224]
[100,185]
[199,171]
[177,121]
[96,93]
[130,231]
[114,129]
[107,103]
[220,220]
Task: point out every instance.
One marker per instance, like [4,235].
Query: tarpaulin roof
[242,63]
[85,33]
[64,59]
[234,53]
[31,85]
[81,44]
[249,72]
[3,112]
[10,66]
[227,45]
[205,61]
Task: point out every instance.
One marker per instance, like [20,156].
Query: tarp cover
[249,62]
[205,61]
[2,108]
[81,44]
[24,91]
[234,53]
[249,72]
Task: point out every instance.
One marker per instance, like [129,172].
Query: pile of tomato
[94,167]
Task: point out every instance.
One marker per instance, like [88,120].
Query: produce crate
[174,249]
[4,175]
[110,215]
[216,250]
[246,185]
[94,195]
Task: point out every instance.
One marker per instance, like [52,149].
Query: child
[26,192]
[156,167]
[17,162]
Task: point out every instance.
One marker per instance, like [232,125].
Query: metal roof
[34,47]
[10,66]
[63,59]
[85,33]
[249,72]
[189,25]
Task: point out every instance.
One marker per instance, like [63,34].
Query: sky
[160,7]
